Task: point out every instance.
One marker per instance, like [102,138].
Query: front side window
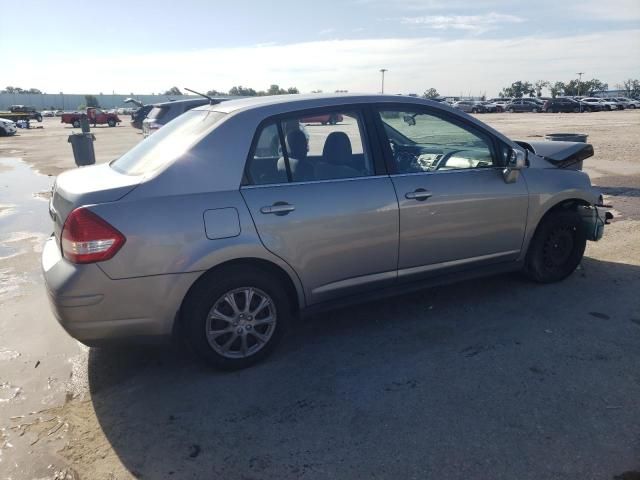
[325,145]
[421,142]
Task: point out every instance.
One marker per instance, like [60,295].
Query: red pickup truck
[95,116]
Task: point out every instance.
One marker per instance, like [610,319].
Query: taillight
[87,238]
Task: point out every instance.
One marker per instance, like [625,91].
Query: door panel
[456,211]
[471,217]
[340,236]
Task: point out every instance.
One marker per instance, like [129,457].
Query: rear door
[456,211]
[321,201]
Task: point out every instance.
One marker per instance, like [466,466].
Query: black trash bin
[567,137]
[82,145]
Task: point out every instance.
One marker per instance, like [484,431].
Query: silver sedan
[236,218]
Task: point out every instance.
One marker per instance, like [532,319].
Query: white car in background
[7,127]
[628,102]
[608,106]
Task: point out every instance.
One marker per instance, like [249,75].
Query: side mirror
[409,120]
[517,161]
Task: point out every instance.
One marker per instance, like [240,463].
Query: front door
[320,205]
[456,211]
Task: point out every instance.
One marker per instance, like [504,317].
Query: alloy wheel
[241,322]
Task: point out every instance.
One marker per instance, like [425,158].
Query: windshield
[163,147]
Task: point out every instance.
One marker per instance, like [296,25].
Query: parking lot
[497,378]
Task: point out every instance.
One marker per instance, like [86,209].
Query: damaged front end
[594,221]
[560,154]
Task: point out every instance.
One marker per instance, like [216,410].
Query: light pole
[579,82]
[382,70]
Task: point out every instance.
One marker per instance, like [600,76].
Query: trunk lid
[87,186]
[560,154]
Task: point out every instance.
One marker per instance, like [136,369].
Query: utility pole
[579,82]
[382,70]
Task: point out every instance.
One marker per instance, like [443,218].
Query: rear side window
[168,144]
[157,113]
[320,146]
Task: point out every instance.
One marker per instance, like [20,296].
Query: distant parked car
[47,113]
[470,106]
[524,105]
[616,104]
[31,111]
[162,113]
[324,119]
[561,104]
[7,127]
[629,102]
[95,116]
[492,107]
[58,113]
[594,104]
[604,104]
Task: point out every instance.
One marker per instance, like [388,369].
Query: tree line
[241,91]
[10,89]
[573,87]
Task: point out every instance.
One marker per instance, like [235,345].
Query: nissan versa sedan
[230,222]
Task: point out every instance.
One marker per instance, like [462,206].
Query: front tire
[556,248]
[235,317]
[111,123]
[75,124]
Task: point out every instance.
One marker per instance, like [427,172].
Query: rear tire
[536,110]
[39,118]
[111,123]
[556,248]
[511,110]
[75,124]
[474,110]
[210,333]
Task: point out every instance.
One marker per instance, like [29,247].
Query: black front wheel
[111,122]
[556,248]
[75,124]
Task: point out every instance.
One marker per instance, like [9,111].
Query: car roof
[313,100]
[190,101]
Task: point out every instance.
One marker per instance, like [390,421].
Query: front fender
[549,187]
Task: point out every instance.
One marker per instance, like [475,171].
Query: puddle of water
[23,199]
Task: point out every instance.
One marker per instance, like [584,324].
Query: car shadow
[460,381]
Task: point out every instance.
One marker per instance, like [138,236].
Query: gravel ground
[491,379]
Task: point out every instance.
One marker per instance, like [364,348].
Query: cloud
[472,23]
[326,31]
[452,66]
[612,10]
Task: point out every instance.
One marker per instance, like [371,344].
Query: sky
[458,47]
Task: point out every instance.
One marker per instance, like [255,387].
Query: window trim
[495,145]
[370,143]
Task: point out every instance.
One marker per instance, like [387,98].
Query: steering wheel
[443,161]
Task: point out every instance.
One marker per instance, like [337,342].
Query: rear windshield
[157,113]
[167,144]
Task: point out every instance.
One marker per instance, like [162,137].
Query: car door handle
[419,194]
[278,208]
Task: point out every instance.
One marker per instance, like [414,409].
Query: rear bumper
[96,309]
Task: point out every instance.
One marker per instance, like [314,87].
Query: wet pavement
[40,366]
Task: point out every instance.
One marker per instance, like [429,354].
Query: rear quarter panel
[166,235]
